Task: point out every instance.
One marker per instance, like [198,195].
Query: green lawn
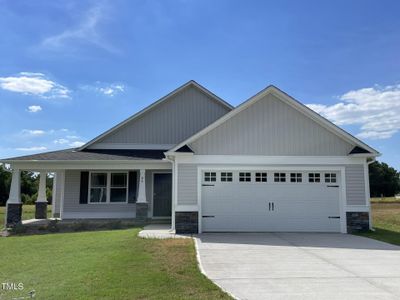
[28,212]
[103,265]
[386,222]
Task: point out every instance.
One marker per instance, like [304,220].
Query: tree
[383,180]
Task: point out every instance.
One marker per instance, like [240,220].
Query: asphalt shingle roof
[75,155]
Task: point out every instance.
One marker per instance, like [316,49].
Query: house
[270,164]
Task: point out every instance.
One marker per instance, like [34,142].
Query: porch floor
[160,231]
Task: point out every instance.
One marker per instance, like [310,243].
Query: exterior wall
[187,184]
[355,185]
[73,209]
[273,128]
[170,122]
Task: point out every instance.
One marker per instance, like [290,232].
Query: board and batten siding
[271,127]
[355,185]
[73,209]
[354,178]
[172,121]
[187,184]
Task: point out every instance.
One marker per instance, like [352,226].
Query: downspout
[171,159]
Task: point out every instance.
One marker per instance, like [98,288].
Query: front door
[162,194]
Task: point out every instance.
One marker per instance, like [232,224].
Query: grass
[28,212]
[103,265]
[386,222]
[385,200]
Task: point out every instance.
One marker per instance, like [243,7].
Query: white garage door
[270,201]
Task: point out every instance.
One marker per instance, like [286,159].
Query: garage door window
[295,177]
[261,177]
[314,177]
[330,177]
[279,177]
[226,176]
[244,176]
[210,176]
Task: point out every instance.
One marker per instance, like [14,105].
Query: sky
[69,70]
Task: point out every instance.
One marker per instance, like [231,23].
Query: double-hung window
[118,187]
[98,188]
[108,187]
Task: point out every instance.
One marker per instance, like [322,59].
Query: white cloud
[36,84]
[106,89]
[376,110]
[72,137]
[76,144]
[34,108]
[33,132]
[87,32]
[34,148]
[61,141]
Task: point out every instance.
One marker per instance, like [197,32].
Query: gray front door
[162,195]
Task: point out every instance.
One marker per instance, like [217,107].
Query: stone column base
[41,210]
[14,214]
[187,222]
[357,221]
[142,211]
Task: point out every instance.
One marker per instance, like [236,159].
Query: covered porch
[119,186]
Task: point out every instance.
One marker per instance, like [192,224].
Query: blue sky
[70,70]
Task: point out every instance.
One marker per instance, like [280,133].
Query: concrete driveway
[300,265]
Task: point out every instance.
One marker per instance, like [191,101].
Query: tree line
[384,181]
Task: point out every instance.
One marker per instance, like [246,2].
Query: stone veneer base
[41,210]
[186,222]
[357,221]
[14,214]
[142,211]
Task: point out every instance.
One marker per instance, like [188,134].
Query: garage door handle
[208,216]
[208,184]
[332,186]
[334,217]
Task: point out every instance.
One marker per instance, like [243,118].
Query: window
[210,176]
[296,177]
[226,176]
[244,176]
[261,177]
[119,187]
[107,187]
[330,177]
[98,187]
[279,177]
[314,177]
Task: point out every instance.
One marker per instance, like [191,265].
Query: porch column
[14,204]
[142,206]
[41,202]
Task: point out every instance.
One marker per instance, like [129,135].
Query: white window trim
[321,178]
[261,177]
[330,178]
[245,177]
[226,177]
[280,177]
[108,187]
[210,176]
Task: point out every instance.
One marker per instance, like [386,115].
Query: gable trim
[291,102]
[153,105]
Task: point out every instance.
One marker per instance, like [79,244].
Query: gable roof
[293,103]
[155,104]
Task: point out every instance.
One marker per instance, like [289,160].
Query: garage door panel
[245,206]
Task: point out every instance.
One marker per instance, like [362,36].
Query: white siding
[172,121]
[187,184]
[355,185]
[72,206]
[271,127]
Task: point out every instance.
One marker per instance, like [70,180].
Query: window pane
[118,195]
[99,179]
[98,195]
[118,180]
